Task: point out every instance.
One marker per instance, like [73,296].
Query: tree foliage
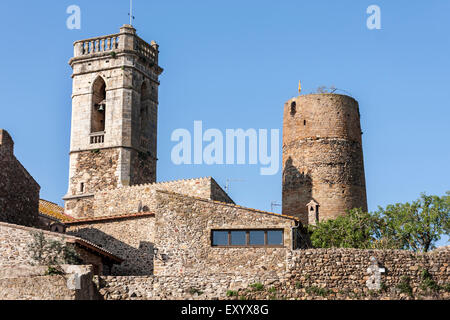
[355,230]
[418,225]
[51,252]
[413,226]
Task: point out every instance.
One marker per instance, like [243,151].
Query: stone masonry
[15,242]
[322,157]
[310,274]
[114,116]
[179,227]
[19,192]
[127,200]
[183,227]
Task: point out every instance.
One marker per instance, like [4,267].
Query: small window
[304,122]
[247,238]
[82,187]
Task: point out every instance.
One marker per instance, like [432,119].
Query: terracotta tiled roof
[108,218]
[53,210]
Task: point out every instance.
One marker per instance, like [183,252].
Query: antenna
[131,13]
[274,204]
[227,185]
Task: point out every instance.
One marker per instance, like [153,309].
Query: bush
[404,286]
[428,282]
[318,291]
[51,252]
[257,286]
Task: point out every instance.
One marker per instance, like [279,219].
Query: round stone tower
[323,167]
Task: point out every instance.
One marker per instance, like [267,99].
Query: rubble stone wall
[310,274]
[130,239]
[19,192]
[183,227]
[127,200]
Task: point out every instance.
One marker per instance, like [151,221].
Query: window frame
[247,238]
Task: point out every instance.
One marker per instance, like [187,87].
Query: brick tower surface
[323,167]
[114,116]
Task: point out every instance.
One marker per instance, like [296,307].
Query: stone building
[182,234]
[323,167]
[114,116]
[19,192]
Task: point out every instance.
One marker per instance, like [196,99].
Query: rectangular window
[238,238]
[257,237]
[220,238]
[247,238]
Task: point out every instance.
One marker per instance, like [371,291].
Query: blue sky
[233,64]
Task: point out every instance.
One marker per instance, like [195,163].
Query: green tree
[418,225]
[357,229]
[51,252]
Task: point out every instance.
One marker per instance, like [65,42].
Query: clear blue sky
[232,64]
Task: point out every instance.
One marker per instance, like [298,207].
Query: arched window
[98,106]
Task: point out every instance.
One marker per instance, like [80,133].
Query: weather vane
[131,13]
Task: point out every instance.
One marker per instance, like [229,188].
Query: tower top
[124,42]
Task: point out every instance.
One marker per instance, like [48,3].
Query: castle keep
[323,168]
[114,116]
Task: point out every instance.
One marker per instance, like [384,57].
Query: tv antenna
[131,13]
[274,204]
[227,185]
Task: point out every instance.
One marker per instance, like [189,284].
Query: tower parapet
[322,157]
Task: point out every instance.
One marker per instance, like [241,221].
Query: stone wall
[174,288]
[19,192]
[131,239]
[32,283]
[322,156]
[15,242]
[127,200]
[180,227]
[310,274]
[183,227]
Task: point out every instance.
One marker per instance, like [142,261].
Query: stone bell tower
[114,116]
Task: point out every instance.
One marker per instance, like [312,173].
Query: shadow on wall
[138,261]
[297,191]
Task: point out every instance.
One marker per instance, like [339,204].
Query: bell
[101,107]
